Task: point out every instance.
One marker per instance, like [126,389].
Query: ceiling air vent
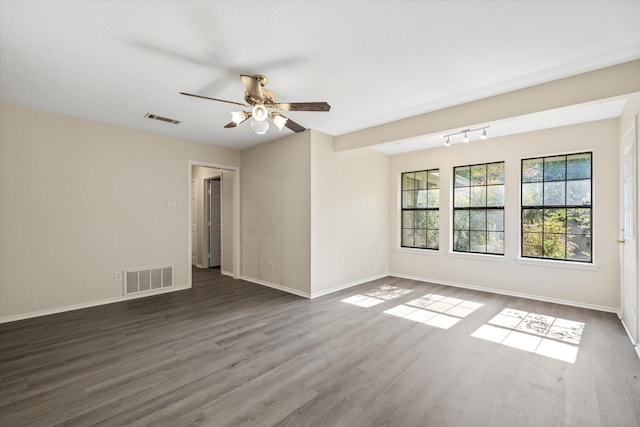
[162,119]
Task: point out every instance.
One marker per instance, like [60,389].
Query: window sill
[483,257]
[558,264]
[432,252]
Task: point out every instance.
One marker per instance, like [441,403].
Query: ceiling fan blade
[213,99]
[293,125]
[253,86]
[302,106]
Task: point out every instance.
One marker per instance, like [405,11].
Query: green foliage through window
[556,207]
[478,208]
[421,209]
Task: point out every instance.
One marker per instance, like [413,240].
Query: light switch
[171,204]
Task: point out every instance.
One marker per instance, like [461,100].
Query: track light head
[465,132]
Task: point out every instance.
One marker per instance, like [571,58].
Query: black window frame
[414,209]
[486,208]
[545,207]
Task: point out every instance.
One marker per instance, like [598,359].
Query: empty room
[319,213]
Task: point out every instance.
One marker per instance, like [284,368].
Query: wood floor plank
[228,352]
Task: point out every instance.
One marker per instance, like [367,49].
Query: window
[421,209]
[478,208]
[556,207]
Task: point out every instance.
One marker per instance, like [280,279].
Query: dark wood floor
[390,352]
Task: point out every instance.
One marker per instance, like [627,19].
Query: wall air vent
[162,119]
[147,279]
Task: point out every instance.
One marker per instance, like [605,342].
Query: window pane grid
[556,211]
[420,209]
[478,203]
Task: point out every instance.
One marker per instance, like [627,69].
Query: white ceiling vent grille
[146,279]
[162,119]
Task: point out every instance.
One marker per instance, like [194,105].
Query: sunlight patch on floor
[376,296]
[535,333]
[435,310]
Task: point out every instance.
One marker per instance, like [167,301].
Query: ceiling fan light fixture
[260,113]
[447,142]
[466,138]
[260,126]
[238,117]
[484,134]
[279,121]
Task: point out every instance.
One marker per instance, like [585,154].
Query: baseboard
[636,347]
[347,285]
[226,273]
[274,286]
[16,317]
[508,293]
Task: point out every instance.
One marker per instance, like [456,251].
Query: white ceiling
[373,61]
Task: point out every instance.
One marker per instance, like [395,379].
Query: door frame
[632,132]
[236,215]
[208,212]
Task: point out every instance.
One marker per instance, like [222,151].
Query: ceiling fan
[264,105]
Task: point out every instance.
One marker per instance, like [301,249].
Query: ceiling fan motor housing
[268,98]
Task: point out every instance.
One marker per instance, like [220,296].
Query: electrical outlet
[118,276]
[271,265]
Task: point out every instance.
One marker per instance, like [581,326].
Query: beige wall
[629,115]
[319,216]
[80,200]
[276,214]
[549,280]
[349,215]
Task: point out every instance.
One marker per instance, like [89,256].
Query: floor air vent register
[148,279]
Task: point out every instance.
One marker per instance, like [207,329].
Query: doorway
[226,179]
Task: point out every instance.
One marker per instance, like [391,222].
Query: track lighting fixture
[466,132]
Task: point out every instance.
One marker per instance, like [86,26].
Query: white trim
[558,264]
[626,329]
[480,257]
[636,347]
[431,252]
[200,266]
[278,287]
[508,293]
[226,273]
[347,285]
[145,294]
